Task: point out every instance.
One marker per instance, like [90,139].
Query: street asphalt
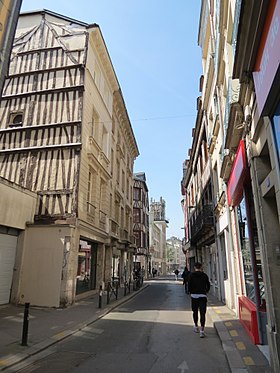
[47,327]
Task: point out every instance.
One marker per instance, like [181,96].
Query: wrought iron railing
[91,209]
[203,222]
[114,228]
[102,220]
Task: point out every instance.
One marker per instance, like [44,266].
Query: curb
[234,359]
[9,361]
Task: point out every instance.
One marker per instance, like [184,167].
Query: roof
[58,15]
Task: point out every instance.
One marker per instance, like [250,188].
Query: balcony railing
[114,228]
[102,220]
[142,251]
[124,235]
[203,223]
[91,209]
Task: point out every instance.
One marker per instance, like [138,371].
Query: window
[105,138]
[136,194]
[118,171]
[102,195]
[111,203]
[137,235]
[123,180]
[127,189]
[117,212]
[16,119]
[122,217]
[94,123]
[127,220]
[136,215]
[90,193]
[251,252]
[86,273]
[89,186]
[112,162]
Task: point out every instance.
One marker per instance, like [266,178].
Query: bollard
[117,290]
[108,293]
[25,325]
[100,297]
[125,285]
[129,282]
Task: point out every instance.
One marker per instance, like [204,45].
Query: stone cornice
[123,118]
[97,41]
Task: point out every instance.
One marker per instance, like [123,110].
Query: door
[8,246]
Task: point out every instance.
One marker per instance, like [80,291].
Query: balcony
[114,229]
[203,224]
[233,117]
[91,209]
[124,236]
[142,251]
[102,220]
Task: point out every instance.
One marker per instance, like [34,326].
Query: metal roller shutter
[8,246]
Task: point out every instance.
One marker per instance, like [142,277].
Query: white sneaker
[202,334]
[196,329]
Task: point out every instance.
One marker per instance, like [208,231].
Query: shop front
[86,271]
[252,302]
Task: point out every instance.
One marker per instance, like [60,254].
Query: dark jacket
[198,283]
[185,276]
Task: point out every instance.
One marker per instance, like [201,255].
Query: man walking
[185,277]
[199,286]
[176,274]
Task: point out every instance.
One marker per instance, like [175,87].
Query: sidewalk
[242,354]
[49,326]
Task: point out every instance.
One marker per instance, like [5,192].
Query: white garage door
[8,246]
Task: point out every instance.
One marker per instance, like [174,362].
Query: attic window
[16,119]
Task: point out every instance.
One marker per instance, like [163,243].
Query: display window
[251,252]
[86,278]
[276,130]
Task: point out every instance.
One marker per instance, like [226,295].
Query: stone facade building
[240,43]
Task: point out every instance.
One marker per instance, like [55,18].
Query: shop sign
[268,57]
[238,176]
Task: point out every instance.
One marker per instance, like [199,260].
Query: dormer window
[16,119]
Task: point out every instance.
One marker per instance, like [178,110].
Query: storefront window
[251,253]
[276,129]
[86,267]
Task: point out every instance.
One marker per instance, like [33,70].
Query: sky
[153,45]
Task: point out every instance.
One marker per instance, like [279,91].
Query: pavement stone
[49,326]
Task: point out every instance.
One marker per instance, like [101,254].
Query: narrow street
[151,333]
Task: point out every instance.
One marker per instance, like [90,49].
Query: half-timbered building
[65,134]
[141,222]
